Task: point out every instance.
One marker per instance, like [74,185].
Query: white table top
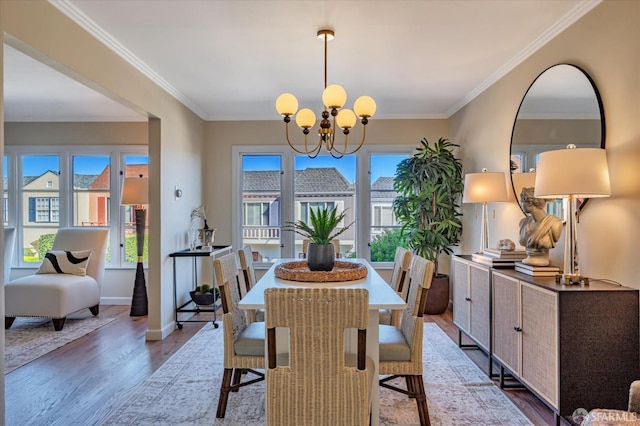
[381,295]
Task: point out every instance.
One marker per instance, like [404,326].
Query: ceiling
[230,59]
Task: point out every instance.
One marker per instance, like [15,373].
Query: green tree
[45,242]
[131,248]
[383,246]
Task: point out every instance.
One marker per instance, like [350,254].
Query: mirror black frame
[580,203]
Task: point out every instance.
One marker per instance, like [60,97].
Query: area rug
[31,338]
[184,391]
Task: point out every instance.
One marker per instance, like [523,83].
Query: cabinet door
[461,296]
[506,321]
[540,341]
[480,321]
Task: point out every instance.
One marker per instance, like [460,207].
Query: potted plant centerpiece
[429,186]
[321,229]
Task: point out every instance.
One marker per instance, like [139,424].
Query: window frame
[65,153]
[362,188]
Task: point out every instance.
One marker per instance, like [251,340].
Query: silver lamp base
[572,279]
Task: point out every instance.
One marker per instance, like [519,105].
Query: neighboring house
[382,196]
[91,201]
[314,187]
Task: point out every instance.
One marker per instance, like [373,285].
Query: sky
[381,165]
[35,165]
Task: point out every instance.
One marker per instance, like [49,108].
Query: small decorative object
[207,235]
[299,271]
[506,244]
[538,231]
[203,295]
[322,229]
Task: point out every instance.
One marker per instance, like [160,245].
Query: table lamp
[135,192]
[570,174]
[485,187]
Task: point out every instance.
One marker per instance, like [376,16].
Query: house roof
[383,188]
[312,180]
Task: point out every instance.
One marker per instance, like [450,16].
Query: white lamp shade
[522,180]
[484,187]
[135,191]
[334,96]
[286,104]
[346,119]
[305,118]
[364,106]
[581,172]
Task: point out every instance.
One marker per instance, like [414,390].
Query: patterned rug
[30,338]
[184,391]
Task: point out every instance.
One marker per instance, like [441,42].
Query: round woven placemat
[299,271]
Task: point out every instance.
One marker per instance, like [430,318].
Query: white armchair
[57,295]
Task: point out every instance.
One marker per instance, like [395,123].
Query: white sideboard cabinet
[471,284]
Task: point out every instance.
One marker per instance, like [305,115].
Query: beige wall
[103,133]
[605,44]
[174,133]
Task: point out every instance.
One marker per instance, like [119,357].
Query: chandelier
[333,98]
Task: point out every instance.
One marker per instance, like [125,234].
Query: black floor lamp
[135,192]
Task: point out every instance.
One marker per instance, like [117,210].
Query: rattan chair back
[317,387]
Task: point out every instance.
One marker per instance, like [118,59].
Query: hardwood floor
[82,382]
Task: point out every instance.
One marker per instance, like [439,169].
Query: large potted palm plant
[429,186]
[321,229]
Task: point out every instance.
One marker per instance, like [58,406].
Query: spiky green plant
[322,226]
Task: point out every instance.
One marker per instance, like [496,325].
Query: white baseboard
[115,300]
[162,333]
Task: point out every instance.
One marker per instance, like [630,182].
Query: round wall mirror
[562,106]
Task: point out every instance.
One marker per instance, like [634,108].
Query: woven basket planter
[203,299]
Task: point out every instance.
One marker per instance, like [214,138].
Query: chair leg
[237,376]
[58,323]
[95,310]
[8,321]
[410,387]
[421,401]
[224,392]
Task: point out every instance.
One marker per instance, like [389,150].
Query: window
[276,186]
[261,185]
[134,166]
[384,233]
[44,209]
[49,187]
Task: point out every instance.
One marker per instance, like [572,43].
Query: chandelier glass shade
[334,115]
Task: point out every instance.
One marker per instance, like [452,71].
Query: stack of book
[494,262]
[537,271]
[514,255]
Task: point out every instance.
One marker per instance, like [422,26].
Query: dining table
[381,296]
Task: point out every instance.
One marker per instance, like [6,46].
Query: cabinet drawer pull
[468,299]
[518,329]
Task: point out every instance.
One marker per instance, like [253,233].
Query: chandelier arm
[306,144]
[364,135]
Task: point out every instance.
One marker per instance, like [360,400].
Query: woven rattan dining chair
[249,274]
[401,348]
[400,283]
[243,342]
[317,384]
